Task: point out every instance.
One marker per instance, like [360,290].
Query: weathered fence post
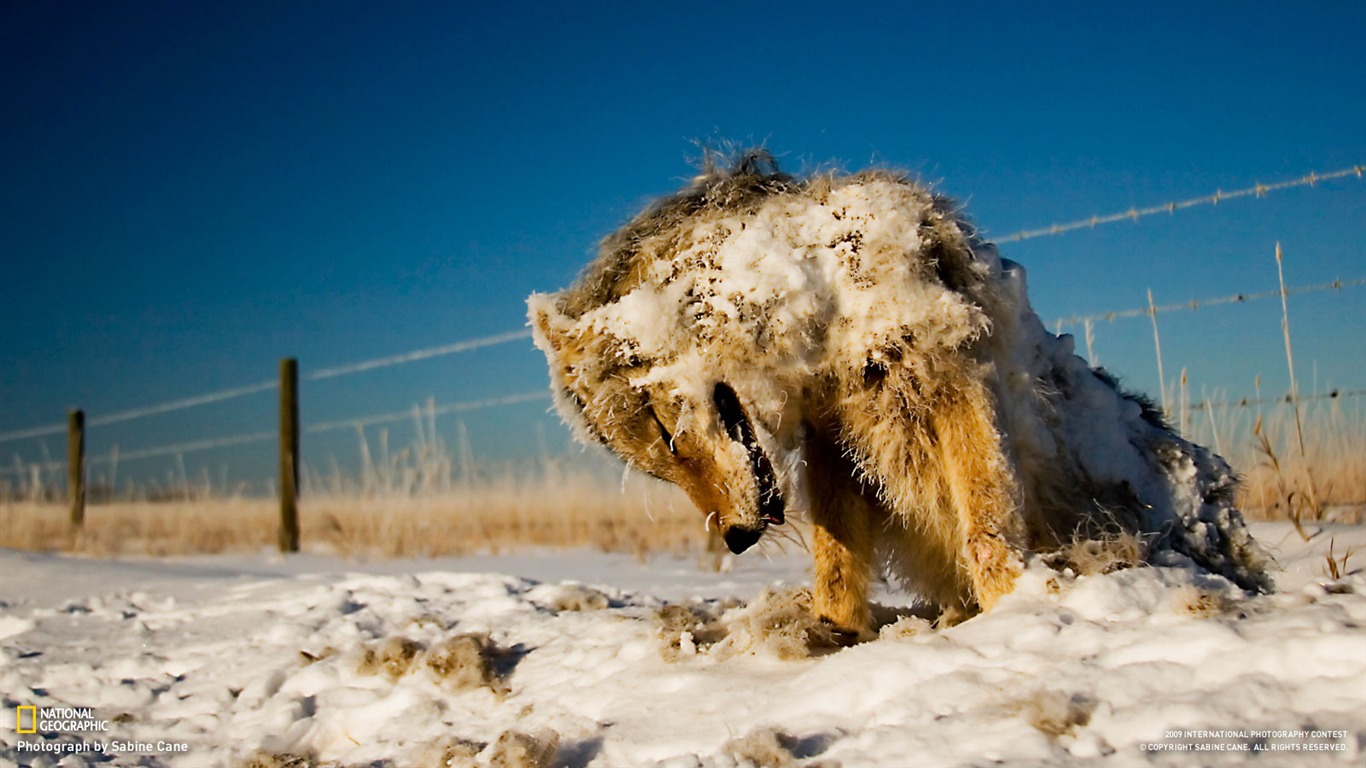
[75,466]
[289,455]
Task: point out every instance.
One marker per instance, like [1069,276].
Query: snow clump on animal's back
[791,286]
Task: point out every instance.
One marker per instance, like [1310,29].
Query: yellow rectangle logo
[32,720]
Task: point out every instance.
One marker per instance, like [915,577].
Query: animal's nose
[740,539]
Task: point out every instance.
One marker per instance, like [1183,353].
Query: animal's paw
[994,567]
[843,636]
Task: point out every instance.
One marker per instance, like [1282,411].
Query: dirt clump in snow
[574,597]
[1193,600]
[687,629]
[452,752]
[461,661]
[770,747]
[280,760]
[467,660]
[763,748]
[778,622]
[390,657]
[516,749]
[1056,713]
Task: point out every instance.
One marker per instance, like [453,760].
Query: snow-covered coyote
[845,346]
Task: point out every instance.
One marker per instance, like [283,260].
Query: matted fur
[845,346]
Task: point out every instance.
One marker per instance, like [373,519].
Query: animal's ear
[555,335]
[551,329]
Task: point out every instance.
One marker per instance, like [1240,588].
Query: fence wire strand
[251,389]
[1194,304]
[188,447]
[1286,399]
[1134,214]
[259,437]
[440,410]
[419,354]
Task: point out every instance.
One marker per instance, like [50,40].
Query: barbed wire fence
[1194,304]
[1310,179]
[48,465]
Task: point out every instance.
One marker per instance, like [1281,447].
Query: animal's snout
[741,430]
[740,539]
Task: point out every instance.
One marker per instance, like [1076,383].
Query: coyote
[845,346]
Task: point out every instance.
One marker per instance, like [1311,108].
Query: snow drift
[605,662]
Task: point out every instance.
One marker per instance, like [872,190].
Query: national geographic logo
[32,719]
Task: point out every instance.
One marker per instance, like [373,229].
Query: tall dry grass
[639,516]
[1285,477]
[426,500]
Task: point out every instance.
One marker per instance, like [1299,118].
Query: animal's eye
[732,415]
[663,430]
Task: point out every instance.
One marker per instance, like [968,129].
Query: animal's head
[696,431]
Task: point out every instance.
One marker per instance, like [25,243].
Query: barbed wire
[145,453]
[1286,399]
[1134,214]
[420,354]
[440,410]
[188,447]
[250,389]
[150,410]
[325,426]
[1194,304]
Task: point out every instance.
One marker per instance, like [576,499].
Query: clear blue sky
[191,191]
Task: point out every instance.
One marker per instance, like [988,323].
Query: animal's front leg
[842,546]
[982,490]
[840,593]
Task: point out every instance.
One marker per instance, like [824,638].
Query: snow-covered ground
[588,659]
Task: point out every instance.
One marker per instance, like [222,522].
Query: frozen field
[589,659]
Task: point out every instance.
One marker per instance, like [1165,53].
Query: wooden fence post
[289,455]
[75,466]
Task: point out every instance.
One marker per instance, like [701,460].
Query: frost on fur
[846,347]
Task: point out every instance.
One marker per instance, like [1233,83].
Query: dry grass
[414,503]
[639,516]
[1336,566]
[1323,479]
